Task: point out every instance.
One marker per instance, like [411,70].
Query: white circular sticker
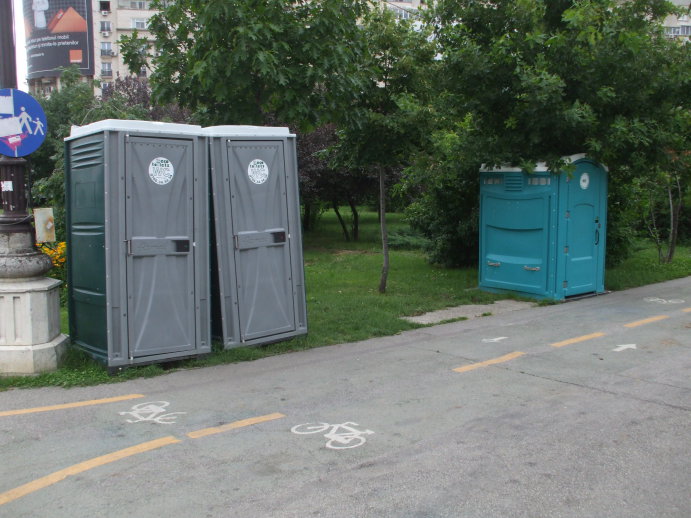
[161,171]
[258,171]
[585,181]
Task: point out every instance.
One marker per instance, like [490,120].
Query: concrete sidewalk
[469,312]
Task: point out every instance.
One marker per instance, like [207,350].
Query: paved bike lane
[566,428]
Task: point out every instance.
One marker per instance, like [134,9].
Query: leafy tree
[135,52]
[244,61]
[135,91]
[322,185]
[399,62]
[527,80]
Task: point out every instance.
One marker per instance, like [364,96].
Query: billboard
[59,33]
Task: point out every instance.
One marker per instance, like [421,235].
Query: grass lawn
[343,303]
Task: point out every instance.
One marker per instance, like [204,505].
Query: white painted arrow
[620,348]
[494,340]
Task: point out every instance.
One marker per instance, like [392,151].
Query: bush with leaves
[525,81]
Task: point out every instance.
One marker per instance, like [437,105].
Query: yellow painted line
[53,478]
[493,361]
[577,339]
[70,405]
[233,426]
[646,321]
[686,310]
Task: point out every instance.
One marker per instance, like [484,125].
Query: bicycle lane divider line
[686,310]
[646,321]
[234,425]
[58,476]
[493,361]
[66,406]
[577,339]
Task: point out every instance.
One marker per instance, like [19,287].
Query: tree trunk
[653,230]
[384,234]
[307,217]
[355,228]
[340,220]
[674,212]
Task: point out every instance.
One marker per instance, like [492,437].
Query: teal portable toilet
[542,234]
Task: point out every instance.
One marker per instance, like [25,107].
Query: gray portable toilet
[137,225]
[543,234]
[261,284]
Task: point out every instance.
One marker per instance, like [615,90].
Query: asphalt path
[572,410]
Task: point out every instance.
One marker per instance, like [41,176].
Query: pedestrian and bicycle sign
[23,124]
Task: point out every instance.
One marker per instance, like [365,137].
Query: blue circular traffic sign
[23,123]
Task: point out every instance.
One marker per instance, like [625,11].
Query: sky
[19,45]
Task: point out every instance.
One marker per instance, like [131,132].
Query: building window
[104,7]
[134,4]
[139,23]
[685,30]
[106,48]
[106,70]
[403,13]
[142,72]
[106,26]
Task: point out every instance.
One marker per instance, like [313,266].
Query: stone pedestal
[30,338]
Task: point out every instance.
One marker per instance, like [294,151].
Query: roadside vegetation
[343,302]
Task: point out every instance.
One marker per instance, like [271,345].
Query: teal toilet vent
[514,182]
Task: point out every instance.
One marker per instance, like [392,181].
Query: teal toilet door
[585,227]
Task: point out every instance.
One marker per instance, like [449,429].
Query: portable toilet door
[583,205]
[138,241]
[542,234]
[258,234]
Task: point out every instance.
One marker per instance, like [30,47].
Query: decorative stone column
[30,338]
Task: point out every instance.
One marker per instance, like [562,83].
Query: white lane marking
[620,348]
[152,411]
[341,436]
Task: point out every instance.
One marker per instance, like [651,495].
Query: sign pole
[8,61]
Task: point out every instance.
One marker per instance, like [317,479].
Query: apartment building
[113,19]
[679,27]
[405,10]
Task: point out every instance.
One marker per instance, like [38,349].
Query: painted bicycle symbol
[152,411]
[340,436]
[664,301]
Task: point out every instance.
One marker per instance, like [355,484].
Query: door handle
[597,236]
[532,268]
[490,263]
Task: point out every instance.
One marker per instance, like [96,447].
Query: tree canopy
[249,62]
[526,80]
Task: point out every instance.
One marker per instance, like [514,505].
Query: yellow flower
[56,254]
